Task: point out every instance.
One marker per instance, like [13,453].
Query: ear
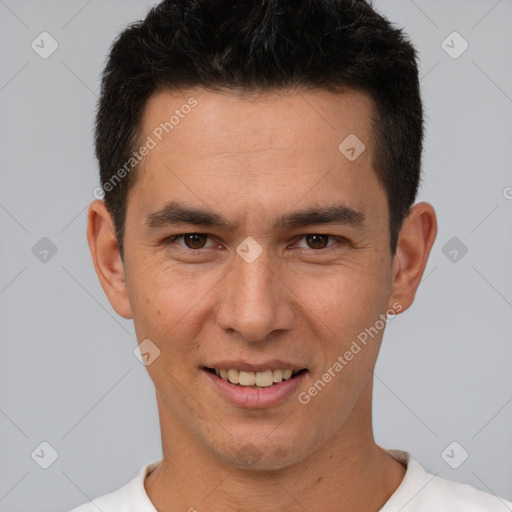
[418,233]
[106,257]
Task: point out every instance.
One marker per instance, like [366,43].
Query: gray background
[67,370]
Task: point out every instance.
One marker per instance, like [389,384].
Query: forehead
[273,149]
[228,119]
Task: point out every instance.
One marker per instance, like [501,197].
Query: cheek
[345,310]
[168,304]
[158,288]
[345,298]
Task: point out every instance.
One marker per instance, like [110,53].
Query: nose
[255,300]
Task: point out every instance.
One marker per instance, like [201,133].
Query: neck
[350,472]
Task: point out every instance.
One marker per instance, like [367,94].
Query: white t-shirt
[418,492]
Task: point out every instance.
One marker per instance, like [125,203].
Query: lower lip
[256,397]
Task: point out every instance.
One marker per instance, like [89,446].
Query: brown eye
[195,240]
[317,241]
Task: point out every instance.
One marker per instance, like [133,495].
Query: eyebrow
[176,213]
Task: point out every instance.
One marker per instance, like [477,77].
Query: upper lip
[243,365]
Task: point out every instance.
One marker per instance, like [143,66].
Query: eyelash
[326,250]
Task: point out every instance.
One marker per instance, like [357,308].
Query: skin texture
[252,159]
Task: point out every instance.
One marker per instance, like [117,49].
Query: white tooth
[287,374]
[264,379]
[233,376]
[277,375]
[247,378]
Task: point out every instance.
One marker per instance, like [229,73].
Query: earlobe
[414,244]
[106,257]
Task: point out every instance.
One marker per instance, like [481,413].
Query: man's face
[293,296]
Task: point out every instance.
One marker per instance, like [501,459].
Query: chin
[260,452]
